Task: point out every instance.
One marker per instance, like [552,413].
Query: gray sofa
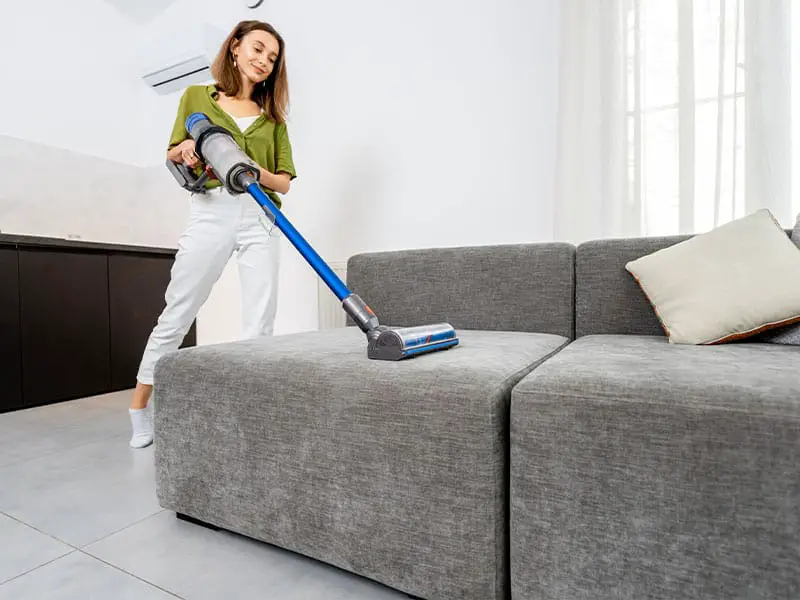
[564,450]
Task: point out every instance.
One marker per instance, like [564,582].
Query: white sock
[142,423]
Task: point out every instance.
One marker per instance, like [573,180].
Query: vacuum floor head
[398,343]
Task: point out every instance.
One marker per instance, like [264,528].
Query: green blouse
[265,141]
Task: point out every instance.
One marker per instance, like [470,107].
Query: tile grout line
[62,450]
[121,570]
[90,556]
[50,535]
[44,564]
[72,548]
[128,526]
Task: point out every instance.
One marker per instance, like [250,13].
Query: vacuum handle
[187,178]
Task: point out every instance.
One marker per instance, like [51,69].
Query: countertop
[33,241]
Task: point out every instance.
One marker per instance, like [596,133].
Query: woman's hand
[184,152]
[190,159]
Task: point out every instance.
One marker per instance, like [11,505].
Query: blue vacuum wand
[239,174]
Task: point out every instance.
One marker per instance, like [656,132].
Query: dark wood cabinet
[136,287]
[65,326]
[75,317]
[10,359]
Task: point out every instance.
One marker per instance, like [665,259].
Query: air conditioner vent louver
[179,75]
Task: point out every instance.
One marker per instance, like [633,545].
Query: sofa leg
[194,521]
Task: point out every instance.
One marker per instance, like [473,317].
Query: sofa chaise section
[642,469]
[396,471]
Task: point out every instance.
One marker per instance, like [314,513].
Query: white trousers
[219,224]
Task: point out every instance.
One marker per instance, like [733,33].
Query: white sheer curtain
[675,115]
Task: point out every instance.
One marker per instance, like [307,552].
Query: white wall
[413,125]
[422,123]
[68,80]
[54,192]
[72,141]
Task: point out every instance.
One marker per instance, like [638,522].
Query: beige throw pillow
[790,334]
[729,283]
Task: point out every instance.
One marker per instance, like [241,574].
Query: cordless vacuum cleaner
[215,147]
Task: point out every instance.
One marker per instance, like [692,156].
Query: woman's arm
[278,182]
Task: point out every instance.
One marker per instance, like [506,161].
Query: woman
[249,98]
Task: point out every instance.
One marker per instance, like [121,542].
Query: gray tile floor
[79,519]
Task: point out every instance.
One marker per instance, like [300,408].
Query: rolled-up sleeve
[284,161]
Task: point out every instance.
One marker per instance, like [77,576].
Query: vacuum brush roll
[397,343]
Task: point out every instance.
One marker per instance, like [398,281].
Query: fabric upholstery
[396,471]
[643,469]
[515,287]
[607,298]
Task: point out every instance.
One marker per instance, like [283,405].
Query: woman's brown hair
[272,95]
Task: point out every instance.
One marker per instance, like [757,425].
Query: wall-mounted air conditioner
[179,75]
[177,51]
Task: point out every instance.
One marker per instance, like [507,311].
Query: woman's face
[256,55]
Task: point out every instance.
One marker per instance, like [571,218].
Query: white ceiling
[140,11]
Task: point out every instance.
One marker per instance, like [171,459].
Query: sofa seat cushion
[644,469]
[392,470]
[751,377]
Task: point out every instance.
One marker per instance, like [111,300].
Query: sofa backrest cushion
[607,299]
[512,287]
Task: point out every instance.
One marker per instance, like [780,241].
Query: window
[795,107]
[674,115]
[686,112]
